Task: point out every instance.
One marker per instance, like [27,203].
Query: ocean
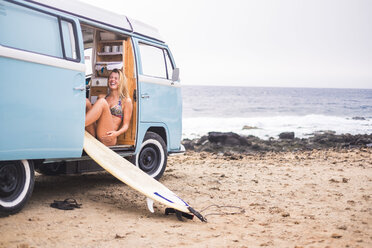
[266,112]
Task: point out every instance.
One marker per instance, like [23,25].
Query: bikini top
[117,110]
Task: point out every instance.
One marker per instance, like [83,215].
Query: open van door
[160,98]
[42,75]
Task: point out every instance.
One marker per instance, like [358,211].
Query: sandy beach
[284,199]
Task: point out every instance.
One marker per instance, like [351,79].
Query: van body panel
[160,100]
[144,29]
[162,105]
[40,59]
[101,16]
[42,99]
[89,12]
[42,116]
[143,127]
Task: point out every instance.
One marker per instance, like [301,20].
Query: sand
[301,199]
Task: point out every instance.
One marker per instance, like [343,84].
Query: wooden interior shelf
[111,41]
[110,53]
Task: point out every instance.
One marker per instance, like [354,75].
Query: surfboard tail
[197,214]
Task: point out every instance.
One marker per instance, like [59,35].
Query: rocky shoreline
[229,143]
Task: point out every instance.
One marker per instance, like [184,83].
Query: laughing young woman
[104,118]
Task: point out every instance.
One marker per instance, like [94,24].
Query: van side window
[169,65]
[29,30]
[69,39]
[153,63]
[35,31]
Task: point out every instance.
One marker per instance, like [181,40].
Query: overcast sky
[295,43]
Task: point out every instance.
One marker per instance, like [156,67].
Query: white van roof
[103,16]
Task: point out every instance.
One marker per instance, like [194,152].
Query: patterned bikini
[117,110]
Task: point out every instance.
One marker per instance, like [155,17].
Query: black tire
[52,169]
[16,185]
[152,156]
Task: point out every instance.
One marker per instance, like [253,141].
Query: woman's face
[113,81]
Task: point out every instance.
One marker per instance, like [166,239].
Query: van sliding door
[42,96]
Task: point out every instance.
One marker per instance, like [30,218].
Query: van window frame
[166,54]
[163,49]
[59,18]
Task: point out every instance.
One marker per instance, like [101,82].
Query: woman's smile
[113,81]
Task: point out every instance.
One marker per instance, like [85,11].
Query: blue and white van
[54,54]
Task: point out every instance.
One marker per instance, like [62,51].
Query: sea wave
[266,127]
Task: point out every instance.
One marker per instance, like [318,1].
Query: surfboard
[133,176]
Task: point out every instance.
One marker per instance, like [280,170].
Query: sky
[273,43]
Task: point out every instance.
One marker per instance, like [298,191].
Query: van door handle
[82,88]
[145,96]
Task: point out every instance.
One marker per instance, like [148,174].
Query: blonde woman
[104,118]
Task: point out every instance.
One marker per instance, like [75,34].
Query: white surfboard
[132,175]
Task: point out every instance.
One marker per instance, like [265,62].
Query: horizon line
[266,86]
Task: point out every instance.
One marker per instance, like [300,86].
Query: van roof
[87,11]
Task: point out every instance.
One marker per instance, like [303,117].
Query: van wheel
[16,185]
[152,156]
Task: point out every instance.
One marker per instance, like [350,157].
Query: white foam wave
[266,127]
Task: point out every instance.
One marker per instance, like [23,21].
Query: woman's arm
[127,109]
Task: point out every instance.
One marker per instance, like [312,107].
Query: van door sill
[123,151]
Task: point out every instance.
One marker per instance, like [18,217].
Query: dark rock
[343,227]
[285,214]
[336,236]
[202,140]
[230,138]
[256,147]
[287,135]
[187,143]
[359,118]
[232,156]
[230,144]
[232,141]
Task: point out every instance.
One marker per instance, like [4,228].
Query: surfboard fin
[179,214]
[150,204]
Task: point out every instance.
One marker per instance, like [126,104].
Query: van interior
[105,51]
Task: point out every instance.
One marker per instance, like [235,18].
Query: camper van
[54,55]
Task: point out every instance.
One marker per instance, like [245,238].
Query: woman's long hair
[123,87]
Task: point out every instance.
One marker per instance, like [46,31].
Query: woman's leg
[100,113]
[91,128]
